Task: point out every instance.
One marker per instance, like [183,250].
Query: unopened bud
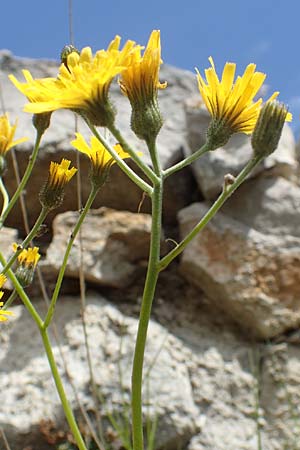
[41,122]
[146,119]
[268,128]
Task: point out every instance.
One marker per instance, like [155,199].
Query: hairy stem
[60,277]
[226,193]
[148,295]
[24,180]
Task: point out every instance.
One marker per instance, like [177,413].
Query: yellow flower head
[231,104]
[7,133]
[52,193]
[28,257]
[101,159]
[82,84]
[27,261]
[4,314]
[60,174]
[140,79]
[2,280]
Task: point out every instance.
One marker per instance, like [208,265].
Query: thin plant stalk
[40,324]
[24,180]
[29,238]
[187,161]
[4,196]
[61,392]
[144,167]
[10,300]
[148,295]
[226,193]
[60,277]
[129,172]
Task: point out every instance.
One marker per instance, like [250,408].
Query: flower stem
[146,169]
[61,392]
[5,197]
[148,295]
[82,216]
[129,172]
[28,239]
[24,180]
[226,193]
[10,300]
[185,162]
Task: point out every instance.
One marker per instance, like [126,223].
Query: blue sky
[262,31]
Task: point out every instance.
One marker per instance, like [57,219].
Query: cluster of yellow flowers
[82,85]
[83,82]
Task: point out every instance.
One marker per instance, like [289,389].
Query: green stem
[226,193]
[5,197]
[84,212]
[154,158]
[10,300]
[187,161]
[149,290]
[129,172]
[61,392]
[28,239]
[24,180]
[146,169]
[36,317]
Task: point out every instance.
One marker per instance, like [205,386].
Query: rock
[28,392]
[279,399]
[115,246]
[209,170]
[202,384]
[119,192]
[247,259]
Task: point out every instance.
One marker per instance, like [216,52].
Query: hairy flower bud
[41,122]
[52,194]
[268,128]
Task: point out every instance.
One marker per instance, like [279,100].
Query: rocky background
[223,358]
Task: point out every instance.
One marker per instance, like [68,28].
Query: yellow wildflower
[3,314]
[140,79]
[28,257]
[101,159]
[82,84]
[7,133]
[52,193]
[140,83]
[60,174]
[27,261]
[230,104]
[2,279]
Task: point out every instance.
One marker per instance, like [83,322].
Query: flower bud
[41,122]
[52,194]
[146,120]
[27,261]
[218,133]
[268,128]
